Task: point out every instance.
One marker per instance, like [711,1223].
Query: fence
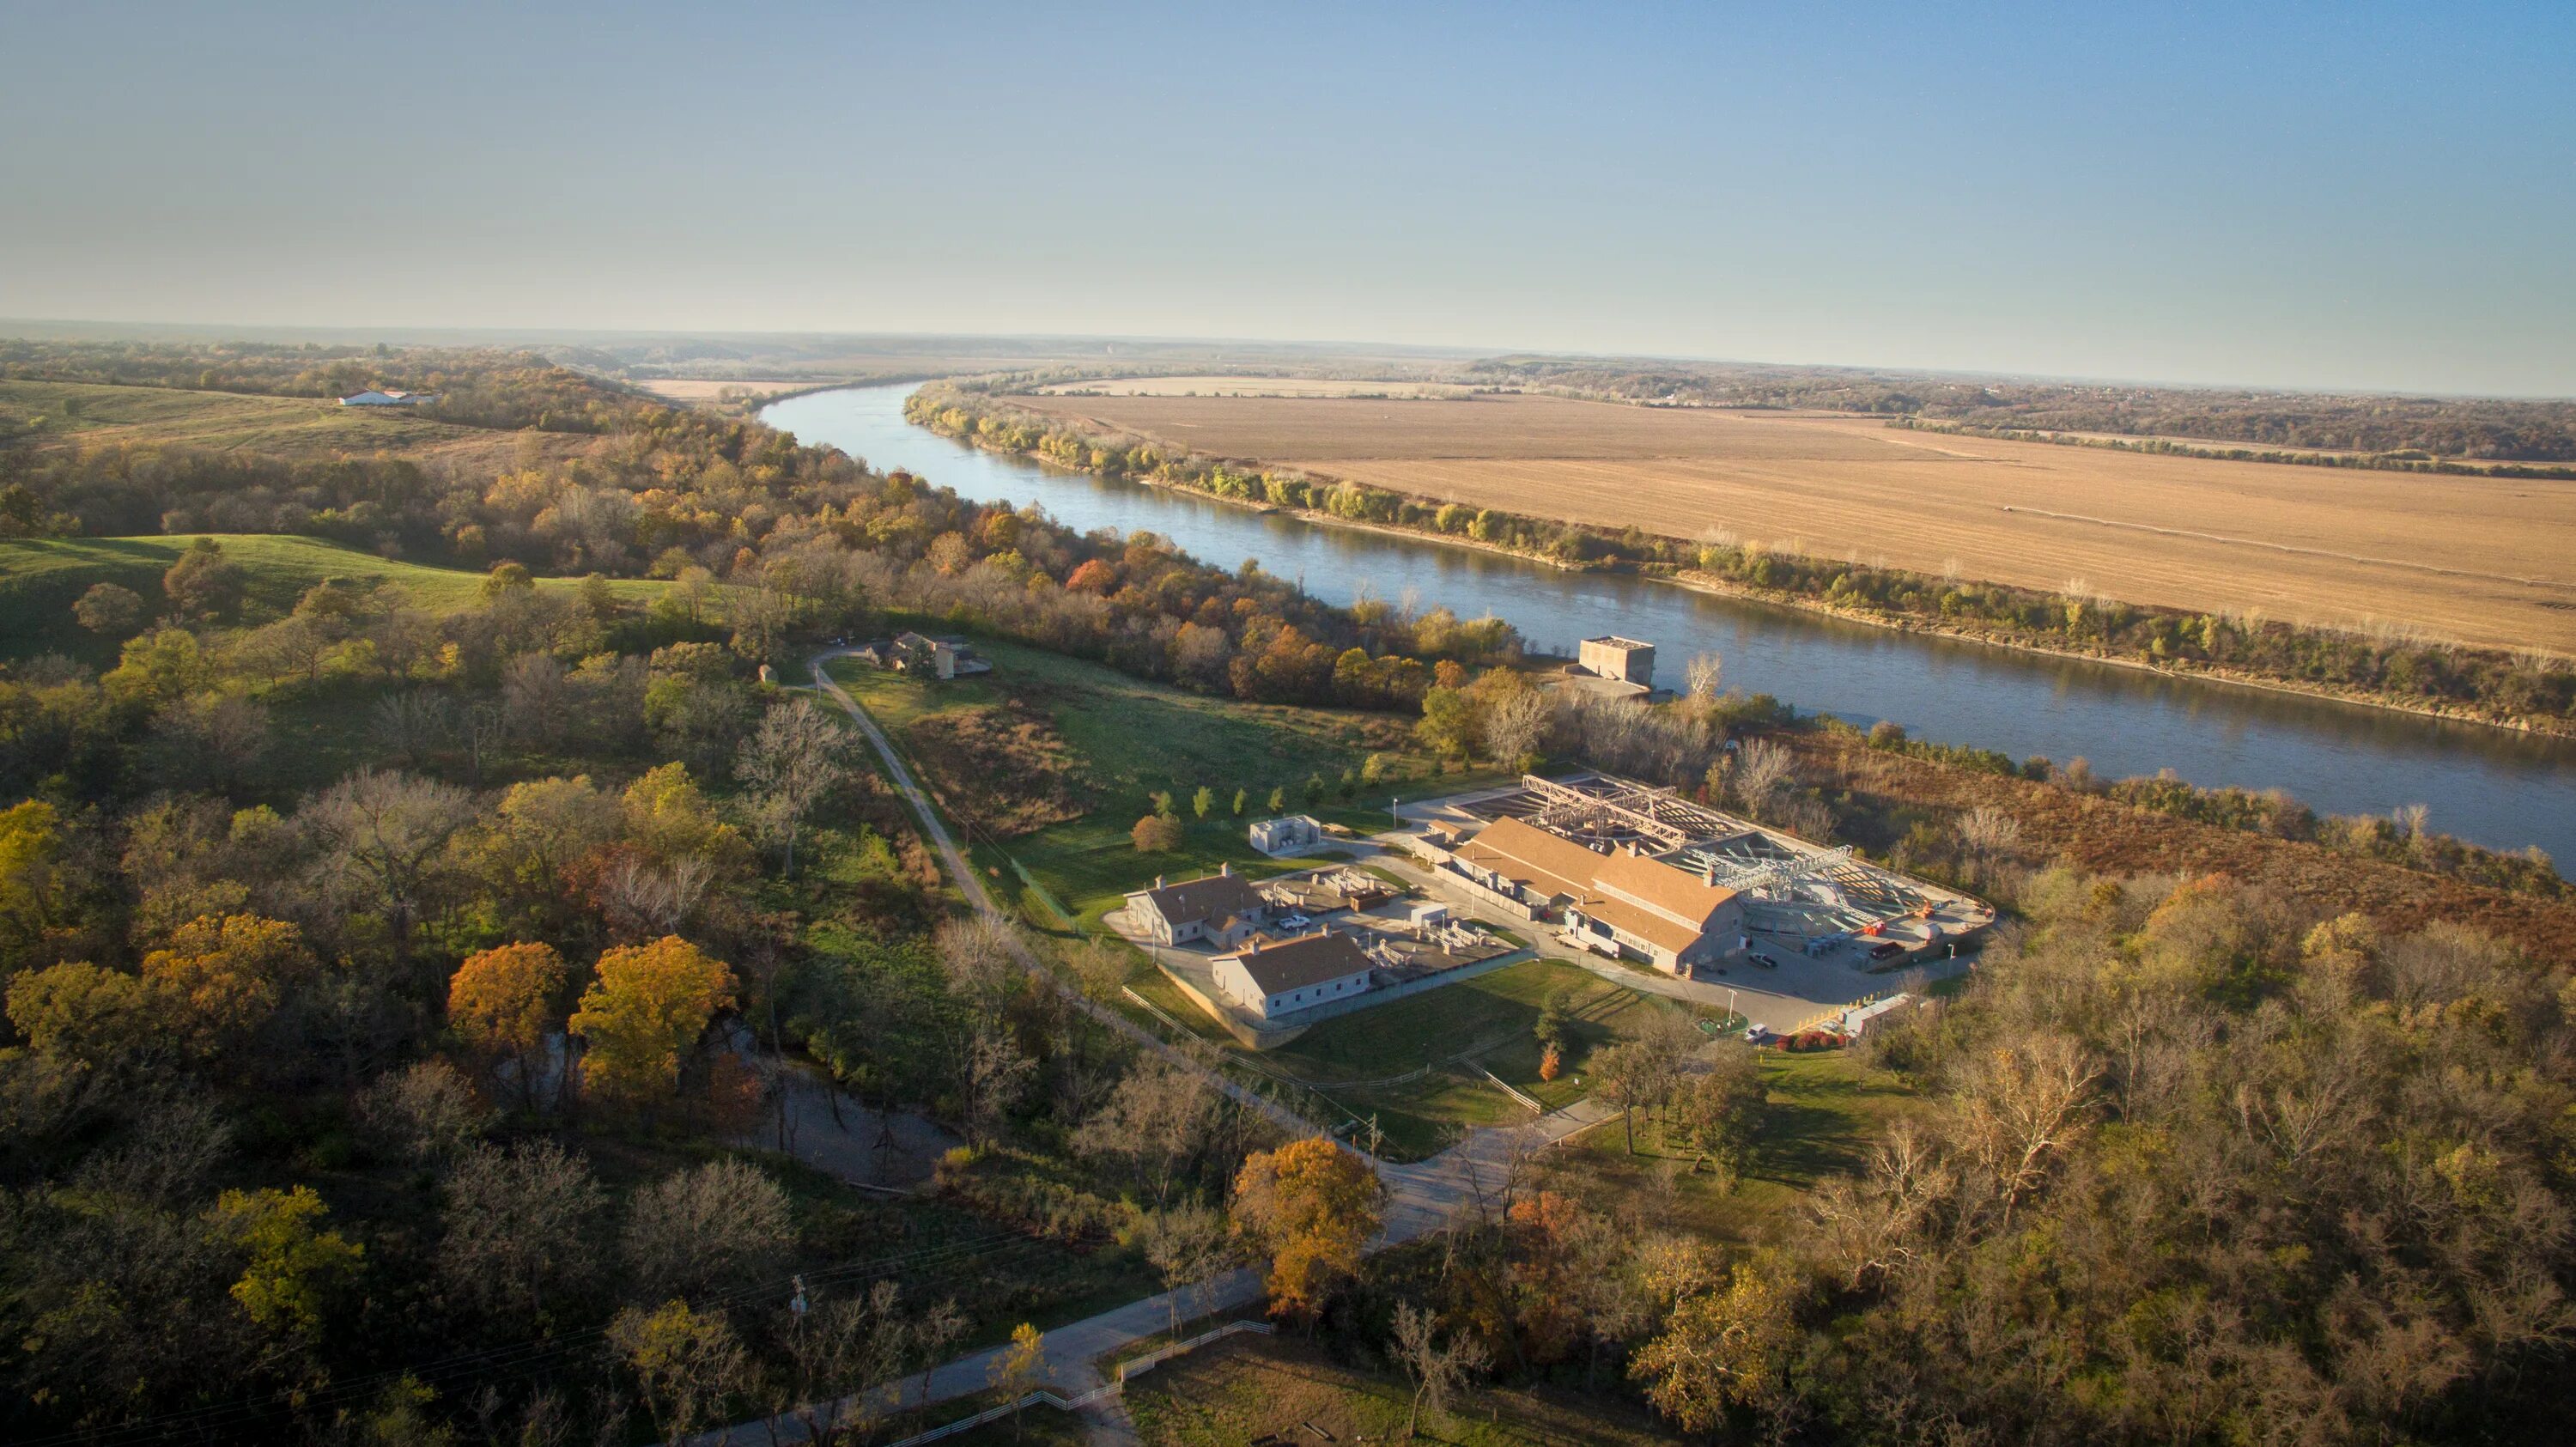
[1111,1388]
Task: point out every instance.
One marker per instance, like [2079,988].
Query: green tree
[1203,802]
[110,611]
[1242,801]
[204,584]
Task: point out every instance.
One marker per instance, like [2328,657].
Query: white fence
[1113,1387]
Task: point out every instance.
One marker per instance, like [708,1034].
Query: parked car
[1294,921]
[1888,950]
[1765,961]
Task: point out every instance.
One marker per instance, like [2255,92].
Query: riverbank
[2179,667]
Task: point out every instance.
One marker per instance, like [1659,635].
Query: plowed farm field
[2470,559]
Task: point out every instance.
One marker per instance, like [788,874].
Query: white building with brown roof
[1275,979]
[1222,909]
[1623,903]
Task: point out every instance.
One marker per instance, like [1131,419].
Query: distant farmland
[2476,560]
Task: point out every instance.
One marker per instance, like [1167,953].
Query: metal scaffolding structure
[1616,809]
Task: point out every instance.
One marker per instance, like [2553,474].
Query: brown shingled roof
[1213,897]
[1303,961]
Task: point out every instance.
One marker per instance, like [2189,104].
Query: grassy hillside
[81,414]
[40,578]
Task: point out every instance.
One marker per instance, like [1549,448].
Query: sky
[2337,195]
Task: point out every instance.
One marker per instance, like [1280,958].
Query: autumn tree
[204,585]
[1018,1369]
[1158,834]
[220,979]
[381,846]
[685,1363]
[1312,1207]
[77,1011]
[291,1265]
[1726,1341]
[644,1015]
[110,611]
[504,1001]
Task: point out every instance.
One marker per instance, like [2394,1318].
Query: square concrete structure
[1286,835]
[1624,659]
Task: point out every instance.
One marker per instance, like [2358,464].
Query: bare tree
[1987,831]
[997,1073]
[1762,770]
[382,840]
[1157,1120]
[1188,1246]
[519,1228]
[427,1109]
[799,755]
[694,1231]
[1700,678]
[1439,1370]
[1514,726]
[982,965]
[410,724]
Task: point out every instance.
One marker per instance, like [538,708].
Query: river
[2501,789]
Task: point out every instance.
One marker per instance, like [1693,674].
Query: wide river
[2500,789]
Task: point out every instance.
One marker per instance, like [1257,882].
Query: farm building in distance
[387,398]
[921,654]
[1271,980]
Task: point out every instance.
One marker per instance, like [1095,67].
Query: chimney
[1225,868]
[1158,881]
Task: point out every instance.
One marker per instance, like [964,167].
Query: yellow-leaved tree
[1312,1206]
[645,1013]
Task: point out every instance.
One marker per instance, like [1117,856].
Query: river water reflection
[2497,788]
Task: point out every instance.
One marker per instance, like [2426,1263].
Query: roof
[1615,641]
[1631,893]
[1677,894]
[1303,961]
[1531,856]
[1213,897]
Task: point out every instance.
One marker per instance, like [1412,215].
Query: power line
[517,1356]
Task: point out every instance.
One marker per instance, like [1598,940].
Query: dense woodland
[406,1006]
[2523,689]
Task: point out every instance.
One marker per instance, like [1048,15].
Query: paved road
[1420,1198]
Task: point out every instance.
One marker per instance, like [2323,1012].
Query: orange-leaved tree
[220,979]
[1312,1206]
[645,1013]
[503,1001]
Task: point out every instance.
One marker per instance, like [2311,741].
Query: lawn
[1495,1015]
[1825,1110]
[86,414]
[1130,738]
[1253,1389]
[41,577]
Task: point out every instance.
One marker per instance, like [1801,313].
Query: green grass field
[82,414]
[1825,1110]
[1134,737]
[1278,1388]
[41,577]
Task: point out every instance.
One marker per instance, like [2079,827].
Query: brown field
[2471,559]
[1251,387]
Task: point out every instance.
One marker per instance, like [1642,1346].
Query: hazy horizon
[2356,198]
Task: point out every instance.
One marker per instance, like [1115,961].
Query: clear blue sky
[2327,195]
